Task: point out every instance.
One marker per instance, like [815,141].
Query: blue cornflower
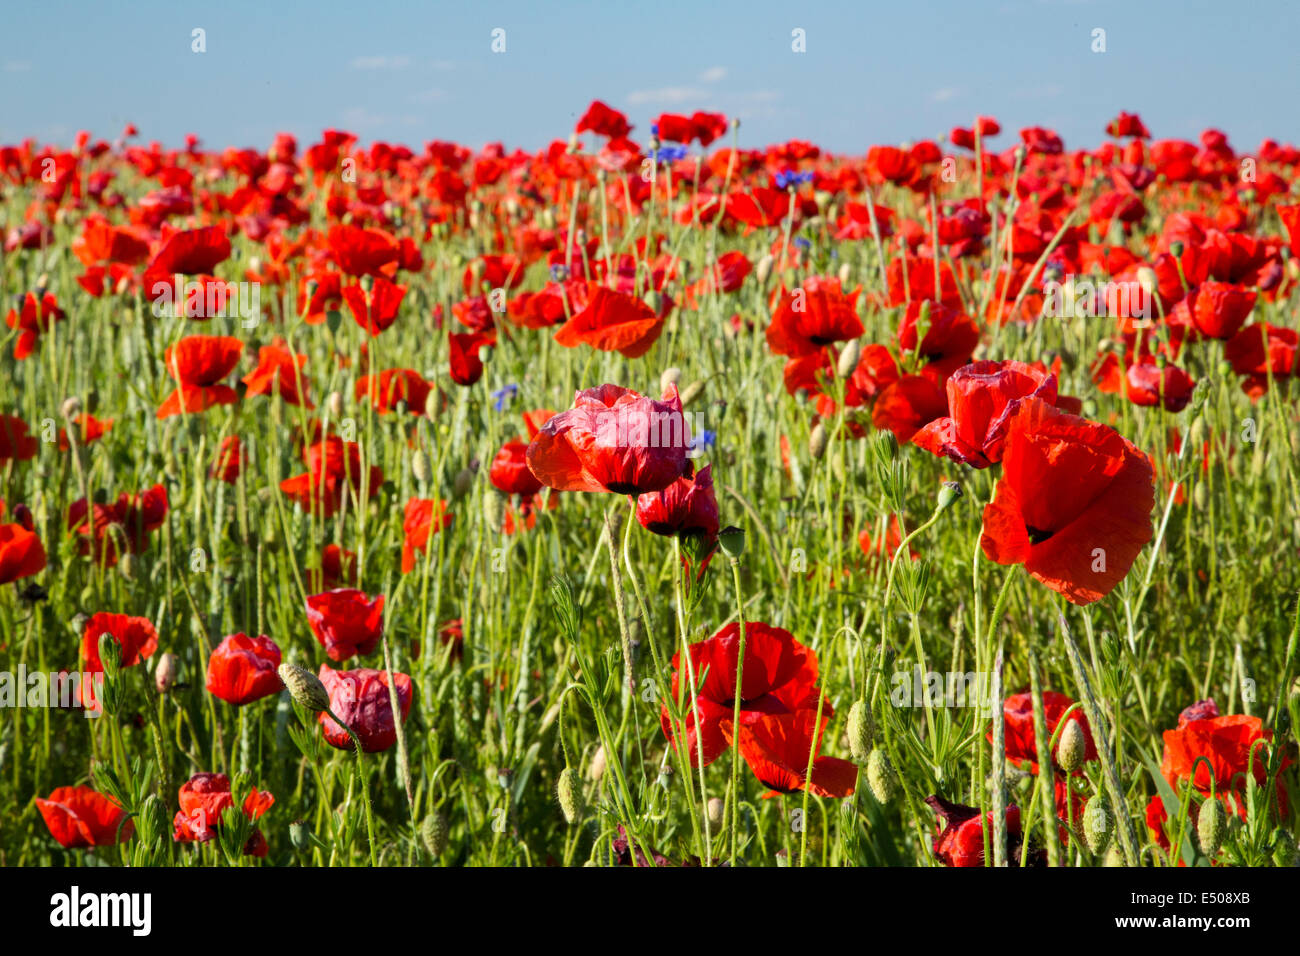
[703,441]
[503,396]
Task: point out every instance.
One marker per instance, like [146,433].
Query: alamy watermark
[63,689]
[918,688]
[213,299]
[1082,298]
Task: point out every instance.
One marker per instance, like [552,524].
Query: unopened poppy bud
[670,376]
[1114,857]
[844,273]
[860,731]
[334,405]
[71,407]
[432,403]
[1284,848]
[110,654]
[1210,826]
[691,392]
[849,358]
[881,777]
[817,441]
[732,541]
[1096,825]
[1147,280]
[887,446]
[1071,748]
[164,674]
[421,466]
[463,481]
[1201,495]
[367,283]
[596,769]
[299,835]
[949,492]
[569,791]
[305,687]
[763,269]
[713,810]
[152,819]
[126,565]
[433,833]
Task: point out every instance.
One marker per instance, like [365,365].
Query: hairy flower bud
[305,687]
[433,833]
[572,801]
[881,777]
[1210,826]
[164,674]
[860,731]
[1072,747]
[1096,825]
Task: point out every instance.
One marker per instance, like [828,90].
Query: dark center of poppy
[622,488]
[820,340]
[1037,536]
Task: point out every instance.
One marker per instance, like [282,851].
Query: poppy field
[651,499]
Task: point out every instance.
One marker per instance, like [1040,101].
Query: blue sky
[872,72]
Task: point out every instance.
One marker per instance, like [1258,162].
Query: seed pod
[571,797]
[433,833]
[881,777]
[860,731]
[817,441]
[305,687]
[1210,826]
[1072,747]
[1096,825]
[732,541]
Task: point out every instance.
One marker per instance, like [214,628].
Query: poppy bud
[433,832]
[461,485]
[126,565]
[949,492]
[1096,825]
[881,777]
[817,441]
[596,769]
[421,467]
[152,819]
[1176,247]
[1284,848]
[1201,495]
[334,404]
[299,835]
[691,392]
[305,687]
[71,407]
[1072,747]
[763,269]
[860,731]
[670,376]
[569,791]
[367,283]
[164,674]
[1114,857]
[110,653]
[849,358]
[844,274]
[1146,279]
[713,810]
[732,541]
[1210,826]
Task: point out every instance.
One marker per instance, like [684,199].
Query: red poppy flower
[612,322]
[510,472]
[346,622]
[135,637]
[961,841]
[777,746]
[603,121]
[191,252]
[1218,310]
[89,429]
[204,798]
[364,252]
[813,316]
[360,698]
[1146,381]
[122,526]
[1127,124]
[1225,741]
[198,363]
[687,508]
[34,319]
[464,355]
[423,517]
[243,669]
[375,310]
[1258,351]
[983,397]
[393,386]
[279,369]
[496,272]
[81,817]
[334,466]
[778,678]
[908,405]
[229,460]
[759,206]
[1073,504]
[15,443]
[21,553]
[613,439]
[338,568]
[950,336]
[1021,744]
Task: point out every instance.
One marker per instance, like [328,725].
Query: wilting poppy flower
[333,466]
[687,508]
[34,318]
[15,443]
[613,439]
[243,669]
[961,841]
[135,636]
[1073,504]
[204,798]
[983,397]
[123,526]
[423,517]
[777,746]
[198,363]
[612,322]
[813,316]
[778,678]
[374,310]
[510,472]
[279,369]
[80,817]
[360,698]
[346,622]
[21,553]
[1018,711]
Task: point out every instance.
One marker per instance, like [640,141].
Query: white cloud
[665,95]
[713,74]
[945,94]
[383,62]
